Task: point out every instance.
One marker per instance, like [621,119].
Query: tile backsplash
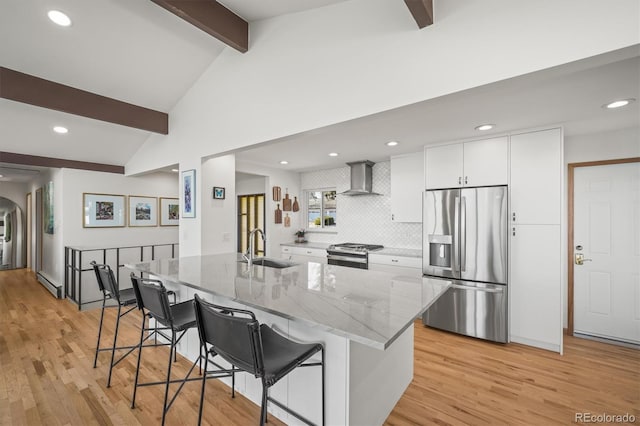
[363,218]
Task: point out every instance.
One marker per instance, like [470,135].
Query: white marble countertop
[308,244]
[404,252]
[370,307]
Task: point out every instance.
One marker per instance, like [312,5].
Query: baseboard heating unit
[53,289]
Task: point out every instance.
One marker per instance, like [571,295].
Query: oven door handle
[347,258]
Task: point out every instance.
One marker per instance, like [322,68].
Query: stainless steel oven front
[360,261]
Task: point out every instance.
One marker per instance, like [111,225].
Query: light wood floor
[46,375]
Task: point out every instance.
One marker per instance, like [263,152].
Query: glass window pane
[321,208]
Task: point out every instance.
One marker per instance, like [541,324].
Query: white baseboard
[54,289]
[535,343]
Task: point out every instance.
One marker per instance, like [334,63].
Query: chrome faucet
[248,256]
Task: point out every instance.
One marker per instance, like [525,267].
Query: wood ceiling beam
[28,89]
[422,11]
[212,18]
[34,160]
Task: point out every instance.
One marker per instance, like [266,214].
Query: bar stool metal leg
[113,347]
[95,358]
[204,381]
[135,385]
[166,389]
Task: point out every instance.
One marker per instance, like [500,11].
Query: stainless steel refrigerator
[465,241]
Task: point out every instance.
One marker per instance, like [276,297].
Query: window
[321,209]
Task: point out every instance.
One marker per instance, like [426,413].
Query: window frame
[322,228]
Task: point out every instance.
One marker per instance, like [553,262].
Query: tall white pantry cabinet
[536,182]
[531,163]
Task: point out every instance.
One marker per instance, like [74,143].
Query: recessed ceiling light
[284,162]
[59,18]
[333,154]
[392,143]
[61,130]
[485,127]
[1,176]
[175,170]
[618,104]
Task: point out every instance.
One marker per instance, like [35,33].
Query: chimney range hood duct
[361,176]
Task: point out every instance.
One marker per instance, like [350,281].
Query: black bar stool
[125,298]
[256,348]
[152,300]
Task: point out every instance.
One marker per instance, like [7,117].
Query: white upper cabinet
[536,177]
[443,166]
[477,163]
[486,162]
[407,178]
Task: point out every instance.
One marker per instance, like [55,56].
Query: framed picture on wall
[189,193]
[103,210]
[169,211]
[143,211]
[218,193]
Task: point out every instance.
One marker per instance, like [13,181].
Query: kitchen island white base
[363,384]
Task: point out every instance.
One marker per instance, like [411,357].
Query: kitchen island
[364,319]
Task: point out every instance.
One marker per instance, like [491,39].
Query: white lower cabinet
[304,254]
[535,286]
[400,265]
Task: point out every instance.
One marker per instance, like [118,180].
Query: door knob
[580,259]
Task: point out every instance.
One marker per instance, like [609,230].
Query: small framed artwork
[103,210]
[218,193]
[189,193]
[169,211]
[143,211]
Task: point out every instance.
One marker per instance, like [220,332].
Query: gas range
[355,255]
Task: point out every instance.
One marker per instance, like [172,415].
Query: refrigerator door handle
[463,234]
[456,235]
[482,289]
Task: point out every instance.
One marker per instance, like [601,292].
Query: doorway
[250,216]
[604,250]
[38,231]
[29,227]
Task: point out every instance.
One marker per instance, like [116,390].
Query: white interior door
[607,235]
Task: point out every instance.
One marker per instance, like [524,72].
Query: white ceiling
[131,50]
[571,95]
[137,52]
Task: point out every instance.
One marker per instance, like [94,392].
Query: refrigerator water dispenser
[440,251]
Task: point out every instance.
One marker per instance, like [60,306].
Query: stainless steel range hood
[361,176]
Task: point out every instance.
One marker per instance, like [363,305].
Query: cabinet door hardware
[459,180]
[514,216]
[466,180]
[514,231]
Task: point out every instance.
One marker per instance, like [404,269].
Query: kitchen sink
[271,263]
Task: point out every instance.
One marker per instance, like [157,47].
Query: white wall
[276,234]
[218,216]
[621,143]
[250,185]
[364,218]
[331,64]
